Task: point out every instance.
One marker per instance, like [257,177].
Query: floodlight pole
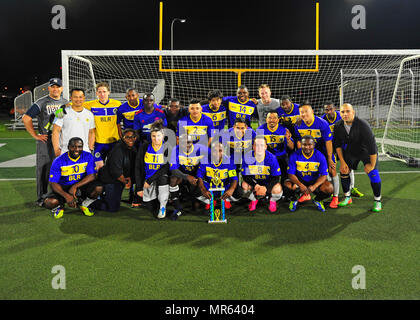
[172,48]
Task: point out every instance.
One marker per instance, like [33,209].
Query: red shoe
[334,203]
[253,205]
[228,205]
[304,197]
[207,206]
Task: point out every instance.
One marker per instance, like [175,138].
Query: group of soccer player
[185,153]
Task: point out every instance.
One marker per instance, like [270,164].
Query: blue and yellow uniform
[143,121]
[318,129]
[126,113]
[196,129]
[106,133]
[218,116]
[331,123]
[153,160]
[67,171]
[188,162]
[293,114]
[261,171]
[276,139]
[237,109]
[307,168]
[224,171]
[238,146]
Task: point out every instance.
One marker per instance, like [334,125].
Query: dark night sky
[31,48]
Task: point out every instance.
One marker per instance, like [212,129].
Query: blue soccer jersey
[331,123]
[188,162]
[153,159]
[67,171]
[126,113]
[276,139]
[218,116]
[318,129]
[261,170]
[223,172]
[237,109]
[238,146]
[196,129]
[143,121]
[307,169]
[293,114]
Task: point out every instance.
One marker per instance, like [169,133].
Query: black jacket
[359,141]
[120,161]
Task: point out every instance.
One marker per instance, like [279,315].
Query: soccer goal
[364,78]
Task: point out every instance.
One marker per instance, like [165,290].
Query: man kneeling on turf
[185,159]
[72,178]
[261,174]
[221,170]
[308,171]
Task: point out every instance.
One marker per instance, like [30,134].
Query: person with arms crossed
[288,112]
[355,142]
[196,124]
[308,171]
[265,104]
[146,116]
[321,132]
[73,178]
[261,175]
[128,109]
[279,140]
[240,106]
[332,116]
[152,171]
[77,122]
[215,110]
[43,109]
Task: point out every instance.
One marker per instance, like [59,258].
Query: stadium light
[172,48]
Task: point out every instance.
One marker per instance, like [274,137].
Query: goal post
[364,78]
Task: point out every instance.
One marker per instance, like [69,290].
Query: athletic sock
[163,195]
[276,197]
[345,183]
[376,188]
[351,179]
[87,202]
[252,196]
[336,185]
[174,193]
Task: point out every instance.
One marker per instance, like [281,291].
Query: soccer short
[283,164]
[102,150]
[353,160]
[237,193]
[152,192]
[191,190]
[85,191]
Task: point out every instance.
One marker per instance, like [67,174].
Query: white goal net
[364,78]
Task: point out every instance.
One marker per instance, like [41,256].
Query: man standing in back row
[355,142]
[42,109]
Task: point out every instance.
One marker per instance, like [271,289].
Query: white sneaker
[162,213]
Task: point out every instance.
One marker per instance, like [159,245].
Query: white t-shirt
[75,124]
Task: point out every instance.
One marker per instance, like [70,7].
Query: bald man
[355,142]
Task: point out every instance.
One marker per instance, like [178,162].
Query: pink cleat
[273,206]
[253,205]
[228,205]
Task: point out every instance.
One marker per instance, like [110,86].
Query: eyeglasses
[130,137]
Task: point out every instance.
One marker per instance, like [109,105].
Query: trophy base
[218,221]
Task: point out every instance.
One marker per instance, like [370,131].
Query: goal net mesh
[366,79]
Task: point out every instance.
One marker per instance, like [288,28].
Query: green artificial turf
[132,255]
